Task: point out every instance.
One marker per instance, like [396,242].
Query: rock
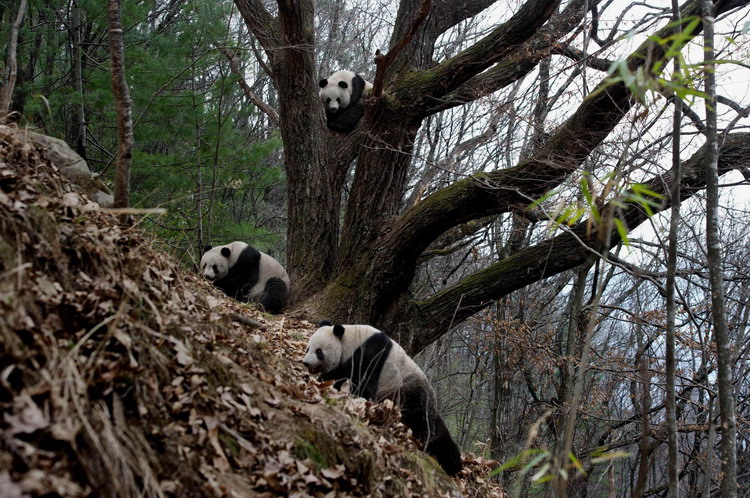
[71,165]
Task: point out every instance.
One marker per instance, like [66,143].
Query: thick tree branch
[448,13]
[558,254]
[384,61]
[421,88]
[521,62]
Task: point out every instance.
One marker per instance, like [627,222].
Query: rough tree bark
[124,106]
[365,275]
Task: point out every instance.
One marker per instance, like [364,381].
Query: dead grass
[123,375]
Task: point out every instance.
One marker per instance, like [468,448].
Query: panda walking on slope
[377,368]
[246,274]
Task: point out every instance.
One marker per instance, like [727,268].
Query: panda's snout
[310,367]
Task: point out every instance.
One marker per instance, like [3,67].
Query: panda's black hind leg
[274,296]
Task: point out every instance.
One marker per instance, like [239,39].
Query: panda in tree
[341,94]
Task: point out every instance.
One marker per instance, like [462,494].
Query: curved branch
[521,62]
[384,61]
[553,256]
[421,88]
[261,24]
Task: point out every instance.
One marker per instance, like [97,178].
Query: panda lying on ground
[247,274]
[341,94]
[378,368]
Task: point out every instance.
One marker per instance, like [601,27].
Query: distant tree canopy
[363,269]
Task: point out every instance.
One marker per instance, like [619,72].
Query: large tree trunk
[315,160]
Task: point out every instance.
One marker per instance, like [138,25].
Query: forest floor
[122,374]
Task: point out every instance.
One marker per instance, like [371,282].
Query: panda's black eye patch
[328,100]
[216,269]
[338,100]
[319,354]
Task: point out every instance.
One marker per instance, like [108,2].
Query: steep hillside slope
[123,375]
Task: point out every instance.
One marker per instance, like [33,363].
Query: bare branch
[261,23]
[249,93]
[558,254]
[384,61]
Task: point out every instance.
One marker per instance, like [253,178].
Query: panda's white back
[267,268]
[354,337]
[397,367]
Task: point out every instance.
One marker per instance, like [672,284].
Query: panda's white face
[335,95]
[215,264]
[323,352]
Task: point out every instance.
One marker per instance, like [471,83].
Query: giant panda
[247,274]
[377,368]
[341,95]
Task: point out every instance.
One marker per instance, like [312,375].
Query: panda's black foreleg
[419,413]
[346,119]
[443,448]
[274,296]
[415,409]
[367,363]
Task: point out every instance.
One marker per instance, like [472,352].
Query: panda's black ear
[343,84]
[324,323]
[323,83]
[338,331]
[225,251]
[207,248]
